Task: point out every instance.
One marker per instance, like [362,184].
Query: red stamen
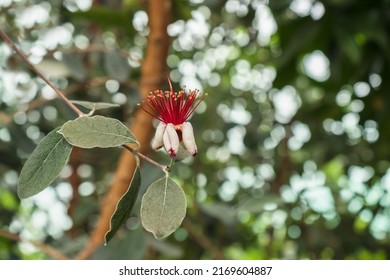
[171,107]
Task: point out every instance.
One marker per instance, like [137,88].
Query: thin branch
[25,59]
[148,159]
[91,83]
[36,103]
[55,254]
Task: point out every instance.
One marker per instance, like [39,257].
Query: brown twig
[148,159]
[39,73]
[285,164]
[50,251]
[152,76]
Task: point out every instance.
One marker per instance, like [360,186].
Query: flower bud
[158,136]
[188,138]
[171,140]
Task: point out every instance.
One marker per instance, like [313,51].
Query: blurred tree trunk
[153,74]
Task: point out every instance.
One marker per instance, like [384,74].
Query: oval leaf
[125,205]
[163,207]
[44,164]
[97,131]
[94,105]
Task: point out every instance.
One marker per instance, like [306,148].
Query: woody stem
[25,59]
[148,159]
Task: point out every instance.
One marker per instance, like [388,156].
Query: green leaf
[44,164]
[163,207]
[124,206]
[94,105]
[97,131]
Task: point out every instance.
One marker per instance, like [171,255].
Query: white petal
[171,140]
[158,136]
[182,153]
[188,138]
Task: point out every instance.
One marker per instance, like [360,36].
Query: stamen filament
[171,107]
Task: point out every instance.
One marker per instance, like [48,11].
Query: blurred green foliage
[293,140]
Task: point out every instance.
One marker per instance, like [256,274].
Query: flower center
[171,107]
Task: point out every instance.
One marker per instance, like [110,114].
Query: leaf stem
[148,159]
[171,163]
[25,59]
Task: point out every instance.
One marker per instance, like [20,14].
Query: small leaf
[94,105]
[44,164]
[124,206]
[97,131]
[163,207]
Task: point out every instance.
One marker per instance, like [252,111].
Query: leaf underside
[97,131]
[95,105]
[163,207]
[124,206]
[44,164]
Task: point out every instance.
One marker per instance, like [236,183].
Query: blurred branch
[44,248]
[284,168]
[95,48]
[41,100]
[4,118]
[91,83]
[74,180]
[39,73]
[203,240]
[152,75]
